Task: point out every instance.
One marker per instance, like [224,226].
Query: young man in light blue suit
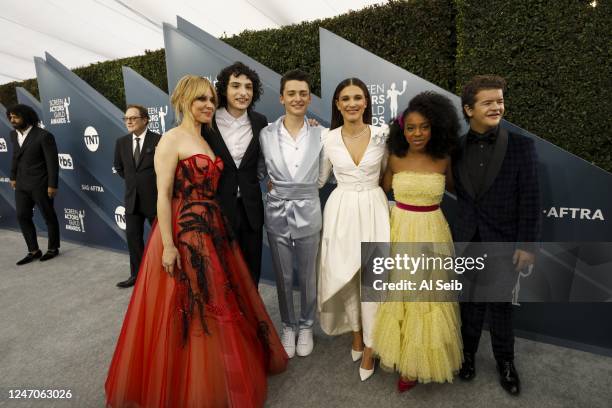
[292,212]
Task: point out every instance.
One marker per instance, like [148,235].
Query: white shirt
[142,138]
[236,133]
[21,136]
[293,150]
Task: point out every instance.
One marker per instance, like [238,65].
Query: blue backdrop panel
[576,202]
[8,219]
[139,91]
[191,50]
[86,126]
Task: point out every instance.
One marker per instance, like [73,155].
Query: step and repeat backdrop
[576,196]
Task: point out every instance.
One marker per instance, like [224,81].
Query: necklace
[357,135]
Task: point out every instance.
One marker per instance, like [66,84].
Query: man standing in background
[34,177]
[134,154]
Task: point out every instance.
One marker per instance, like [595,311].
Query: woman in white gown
[356,211]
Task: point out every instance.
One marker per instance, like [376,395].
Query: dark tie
[137,151]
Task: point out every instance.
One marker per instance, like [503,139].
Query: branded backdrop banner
[86,127]
[576,202]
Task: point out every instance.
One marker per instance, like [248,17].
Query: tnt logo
[65,161]
[3,145]
[120,217]
[92,140]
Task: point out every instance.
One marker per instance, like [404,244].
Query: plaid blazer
[508,207]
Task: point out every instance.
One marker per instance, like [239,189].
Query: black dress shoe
[468,369]
[29,258]
[127,283]
[50,254]
[508,378]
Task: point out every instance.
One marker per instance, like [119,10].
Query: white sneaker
[305,342]
[288,340]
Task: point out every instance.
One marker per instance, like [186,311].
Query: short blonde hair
[188,89]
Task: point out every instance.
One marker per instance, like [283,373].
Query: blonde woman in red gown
[196,333]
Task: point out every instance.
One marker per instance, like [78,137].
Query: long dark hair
[337,119]
[443,119]
[25,112]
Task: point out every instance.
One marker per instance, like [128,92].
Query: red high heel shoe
[403,386]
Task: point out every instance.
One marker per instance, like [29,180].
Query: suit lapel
[255,128]
[216,142]
[145,145]
[499,151]
[463,169]
[275,148]
[313,149]
[28,140]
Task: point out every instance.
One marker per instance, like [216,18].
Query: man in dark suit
[134,154]
[34,176]
[496,182]
[234,137]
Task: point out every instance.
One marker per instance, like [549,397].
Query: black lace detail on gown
[200,219]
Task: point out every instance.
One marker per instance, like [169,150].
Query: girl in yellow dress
[420,339]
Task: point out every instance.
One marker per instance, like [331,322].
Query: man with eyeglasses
[134,162]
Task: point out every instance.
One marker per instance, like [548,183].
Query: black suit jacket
[139,177]
[508,207]
[35,163]
[244,176]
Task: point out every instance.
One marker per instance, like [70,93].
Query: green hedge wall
[557,59]
[416,35]
[555,55]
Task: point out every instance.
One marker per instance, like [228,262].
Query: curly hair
[337,119]
[237,69]
[477,84]
[25,112]
[442,117]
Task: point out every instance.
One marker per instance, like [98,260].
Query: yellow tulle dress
[420,340]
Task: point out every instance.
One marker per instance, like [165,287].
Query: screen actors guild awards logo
[157,118]
[3,145]
[75,219]
[59,110]
[379,94]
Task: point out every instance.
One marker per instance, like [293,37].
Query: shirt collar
[226,117]
[25,132]
[142,135]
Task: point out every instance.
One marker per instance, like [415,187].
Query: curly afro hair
[443,120]
[237,69]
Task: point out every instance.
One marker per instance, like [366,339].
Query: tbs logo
[65,161]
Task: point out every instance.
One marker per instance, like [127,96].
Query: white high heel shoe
[365,374]
[356,355]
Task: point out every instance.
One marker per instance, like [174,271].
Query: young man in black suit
[34,177]
[134,154]
[496,182]
[234,137]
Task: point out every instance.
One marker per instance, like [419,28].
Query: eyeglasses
[131,118]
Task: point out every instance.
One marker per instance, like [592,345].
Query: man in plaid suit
[497,190]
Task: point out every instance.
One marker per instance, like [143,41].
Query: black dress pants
[250,242]
[24,202]
[134,231]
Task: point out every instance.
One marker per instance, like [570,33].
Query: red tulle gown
[202,338]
